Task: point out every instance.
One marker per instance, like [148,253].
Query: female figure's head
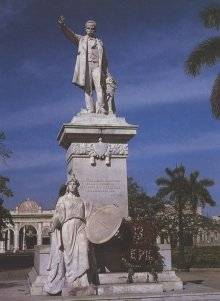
[72,186]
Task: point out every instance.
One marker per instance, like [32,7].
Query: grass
[199,257]
[10,261]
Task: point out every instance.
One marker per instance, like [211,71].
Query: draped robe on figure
[69,250]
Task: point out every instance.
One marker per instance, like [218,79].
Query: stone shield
[103,224]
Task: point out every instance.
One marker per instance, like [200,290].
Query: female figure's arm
[59,216]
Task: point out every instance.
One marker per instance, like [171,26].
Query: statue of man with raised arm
[91,68]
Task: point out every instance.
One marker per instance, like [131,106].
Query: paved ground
[13,286]
[207,278]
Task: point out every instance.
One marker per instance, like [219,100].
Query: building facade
[31,227]
[209,238]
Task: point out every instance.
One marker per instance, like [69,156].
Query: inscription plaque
[100,186]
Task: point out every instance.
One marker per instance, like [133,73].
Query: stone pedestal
[38,275]
[97,149]
[110,283]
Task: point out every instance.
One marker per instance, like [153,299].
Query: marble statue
[69,247]
[91,69]
[111,85]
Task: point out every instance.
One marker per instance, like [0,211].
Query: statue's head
[72,185]
[90,28]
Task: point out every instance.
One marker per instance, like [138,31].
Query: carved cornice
[99,150]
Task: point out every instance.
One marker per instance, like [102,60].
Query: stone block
[165,251]
[41,259]
[38,274]
[131,288]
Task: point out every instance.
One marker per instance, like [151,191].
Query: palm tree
[198,192]
[207,53]
[183,194]
[173,191]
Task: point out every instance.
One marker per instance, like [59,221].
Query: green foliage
[135,195]
[5,219]
[141,253]
[215,96]
[211,17]
[184,192]
[154,261]
[207,53]
[181,195]
[139,203]
[5,191]
[173,210]
[192,224]
[199,257]
[4,152]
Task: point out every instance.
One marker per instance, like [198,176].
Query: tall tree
[140,203]
[183,194]
[207,53]
[198,191]
[139,234]
[5,191]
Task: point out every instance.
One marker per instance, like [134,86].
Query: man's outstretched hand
[61,20]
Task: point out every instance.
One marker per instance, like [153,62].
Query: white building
[209,238]
[31,227]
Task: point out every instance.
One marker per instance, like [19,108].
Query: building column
[2,244]
[16,238]
[9,240]
[23,241]
[39,234]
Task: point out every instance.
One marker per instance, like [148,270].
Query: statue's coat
[79,76]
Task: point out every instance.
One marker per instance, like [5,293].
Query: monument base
[110,283]
[167,281]
[38,274]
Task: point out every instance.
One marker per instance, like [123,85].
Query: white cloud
[166,87]
[171,87]
[33,159]
[38,115]
[205,142]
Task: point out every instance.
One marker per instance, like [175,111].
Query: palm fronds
[211,17]
[215,98]
[4,152]
[206,54]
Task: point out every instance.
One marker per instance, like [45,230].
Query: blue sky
[147,42]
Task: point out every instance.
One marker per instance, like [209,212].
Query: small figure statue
[91,67]
[69,247]
[111,86]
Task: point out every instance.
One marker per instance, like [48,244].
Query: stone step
[152,297]
[131,288]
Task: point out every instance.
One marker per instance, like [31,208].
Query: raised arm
[69,34]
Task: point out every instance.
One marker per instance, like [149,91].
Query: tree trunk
[181,259]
